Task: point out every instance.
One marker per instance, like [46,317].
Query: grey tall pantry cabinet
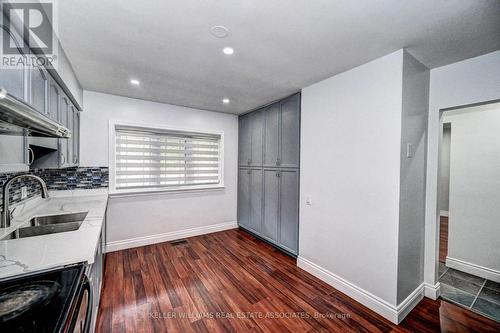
[268,177]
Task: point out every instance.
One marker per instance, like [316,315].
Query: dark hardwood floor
[443,238]
[231,282]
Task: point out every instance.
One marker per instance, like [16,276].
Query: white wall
[350,168]
[466,82]
[444,171]
[474,228]
[140,219]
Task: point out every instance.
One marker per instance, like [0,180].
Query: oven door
[82,315]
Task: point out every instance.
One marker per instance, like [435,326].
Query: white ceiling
[280,46]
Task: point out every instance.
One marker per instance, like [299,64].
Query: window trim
[158,190]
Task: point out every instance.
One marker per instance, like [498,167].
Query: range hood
[17,118]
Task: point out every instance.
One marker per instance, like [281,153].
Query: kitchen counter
[24,255]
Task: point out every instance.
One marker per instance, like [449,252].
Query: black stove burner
[40,302]
[17,299]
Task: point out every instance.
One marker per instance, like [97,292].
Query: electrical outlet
[24,192]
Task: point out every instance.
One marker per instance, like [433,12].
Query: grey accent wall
[415,108]
[444,169]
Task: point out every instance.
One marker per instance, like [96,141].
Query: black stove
[40,302]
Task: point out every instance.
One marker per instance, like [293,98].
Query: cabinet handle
[278,174]
[31,156]
[278,161]
[63,159]
[75,159]
[249,161]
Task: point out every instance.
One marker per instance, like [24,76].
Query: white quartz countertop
[24,255]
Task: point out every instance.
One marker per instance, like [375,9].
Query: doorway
[469,207]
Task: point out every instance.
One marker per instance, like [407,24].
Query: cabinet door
[289,210]
[257,130]
[13,148]
[271,204]
[244,197]
[290,131]
[63,120]
[255,200]
[71,127]
[245,140]
[13,153]
[54,99]
[38,89]
[76,137]
[272,135]
[13,79]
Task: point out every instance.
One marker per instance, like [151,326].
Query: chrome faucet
[6,214]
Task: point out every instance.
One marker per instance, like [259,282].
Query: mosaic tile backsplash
[56,179]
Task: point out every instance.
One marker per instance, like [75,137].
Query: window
[156,159]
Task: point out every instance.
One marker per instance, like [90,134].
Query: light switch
[308,201]
[409,150]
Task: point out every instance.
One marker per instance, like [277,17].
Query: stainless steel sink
[58,219]
[52,224]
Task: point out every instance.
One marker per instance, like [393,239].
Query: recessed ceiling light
[228,50]
[225,100]
[219,31]
[135,82]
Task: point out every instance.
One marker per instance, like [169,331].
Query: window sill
[159,191]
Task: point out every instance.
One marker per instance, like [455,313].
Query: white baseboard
[477,270]
[432,291]
[444,213]
[405,307]
[168,236]
[393,313]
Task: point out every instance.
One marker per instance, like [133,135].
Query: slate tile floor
[472,292]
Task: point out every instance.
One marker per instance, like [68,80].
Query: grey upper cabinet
[251,135]
[289,210]
[290,132]
[271,207]
[36,87]
[38,90]
[74,141]
[272,135]
[54,99]
[282,133]
[257,130]
[245,140]
[13,149]
[58,153]
[13,80]
[64,113]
